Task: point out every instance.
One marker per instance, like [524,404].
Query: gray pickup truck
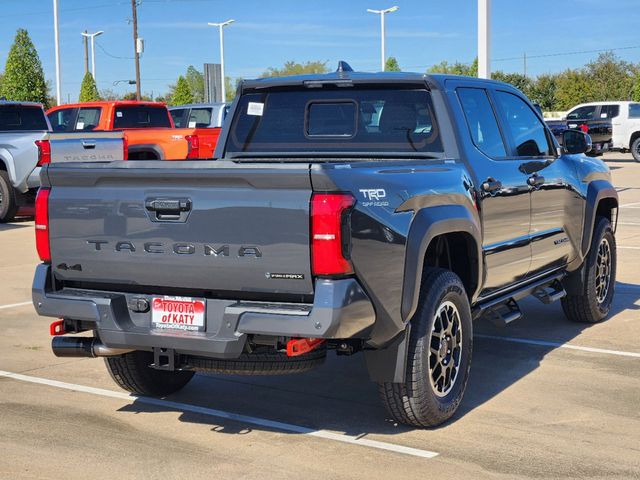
[26,144]
[353,212]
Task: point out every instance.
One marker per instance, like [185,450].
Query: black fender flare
[428,224]
[597,191]
[389,364]
[144,147]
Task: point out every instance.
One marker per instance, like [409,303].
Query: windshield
[141,116]
[327,120]
[21,117]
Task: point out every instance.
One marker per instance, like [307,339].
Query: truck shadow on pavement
[16,224]
[339,396]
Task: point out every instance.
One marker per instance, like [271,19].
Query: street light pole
[484,38]
[383,59]
[57,52]
[221,27]
[92,36]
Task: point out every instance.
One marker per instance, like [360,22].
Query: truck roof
[104,103]
[199,105]
[433,80]
[17,102]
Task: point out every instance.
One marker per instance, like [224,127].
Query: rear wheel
[439,355]
[635,149]
[132,372]
[8,200]
[593,302]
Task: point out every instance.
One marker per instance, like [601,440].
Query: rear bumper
[341,310]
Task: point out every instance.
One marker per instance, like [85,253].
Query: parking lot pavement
[546,398]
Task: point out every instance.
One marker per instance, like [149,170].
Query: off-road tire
[9,203]
[414,401]
[267,363]
[132,372]
[635,149]
[584,307]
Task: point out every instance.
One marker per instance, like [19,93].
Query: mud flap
[389,365]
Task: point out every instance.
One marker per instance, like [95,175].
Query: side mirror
[575,141]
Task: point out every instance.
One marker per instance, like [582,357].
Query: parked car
[621,117]
[149,130]
[355,212]
[23,126]
[199,115]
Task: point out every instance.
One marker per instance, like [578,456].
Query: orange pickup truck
[148,128]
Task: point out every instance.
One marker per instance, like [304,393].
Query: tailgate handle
[169,209]
[88,145]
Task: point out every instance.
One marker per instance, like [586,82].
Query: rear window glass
[18,117]
[335,120]
[199,118]
[634,110]
[141,117]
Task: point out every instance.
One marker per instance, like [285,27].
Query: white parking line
[627,248]
[262,422]
[629,223]
[631,205]
[543,343]
[13,305]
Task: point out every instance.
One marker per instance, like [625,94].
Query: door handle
[491,185]
[87,144]
[169,209]
[535,180]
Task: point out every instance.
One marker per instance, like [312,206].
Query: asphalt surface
[547,399]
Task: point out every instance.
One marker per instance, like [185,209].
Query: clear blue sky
[267,33]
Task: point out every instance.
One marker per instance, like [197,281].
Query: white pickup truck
[26,144]
[624,119]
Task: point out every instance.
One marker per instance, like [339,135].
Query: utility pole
[93,49]
[57,51]
[135,47]
[383,60]
[525,64]
[86,52]
[484,38]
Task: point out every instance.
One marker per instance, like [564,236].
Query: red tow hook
[57,328]
[300,346]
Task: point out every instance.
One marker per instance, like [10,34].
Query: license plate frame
[179,314]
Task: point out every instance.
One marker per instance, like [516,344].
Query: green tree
[392,65]
[293,68]
[23,75]
[182,92]
[230,87]
[610,78]
[457,68]
[574,87]
[635,94]
[88,89]
[518,80]
[195,80]
[543,90]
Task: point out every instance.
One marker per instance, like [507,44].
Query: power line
[560,54]
[110,54]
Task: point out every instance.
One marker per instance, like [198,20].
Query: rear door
[504,198]
[234,230]
[554,205]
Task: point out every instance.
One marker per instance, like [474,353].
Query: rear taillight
[44,152]
[329,233]
[42,225]
[125,148]
[194,146]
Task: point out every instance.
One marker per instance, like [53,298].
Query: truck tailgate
[220,227]
[86,146]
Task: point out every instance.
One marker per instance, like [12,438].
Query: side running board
[503,308]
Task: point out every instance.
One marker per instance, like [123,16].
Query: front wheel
[438,357]
[591,304]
